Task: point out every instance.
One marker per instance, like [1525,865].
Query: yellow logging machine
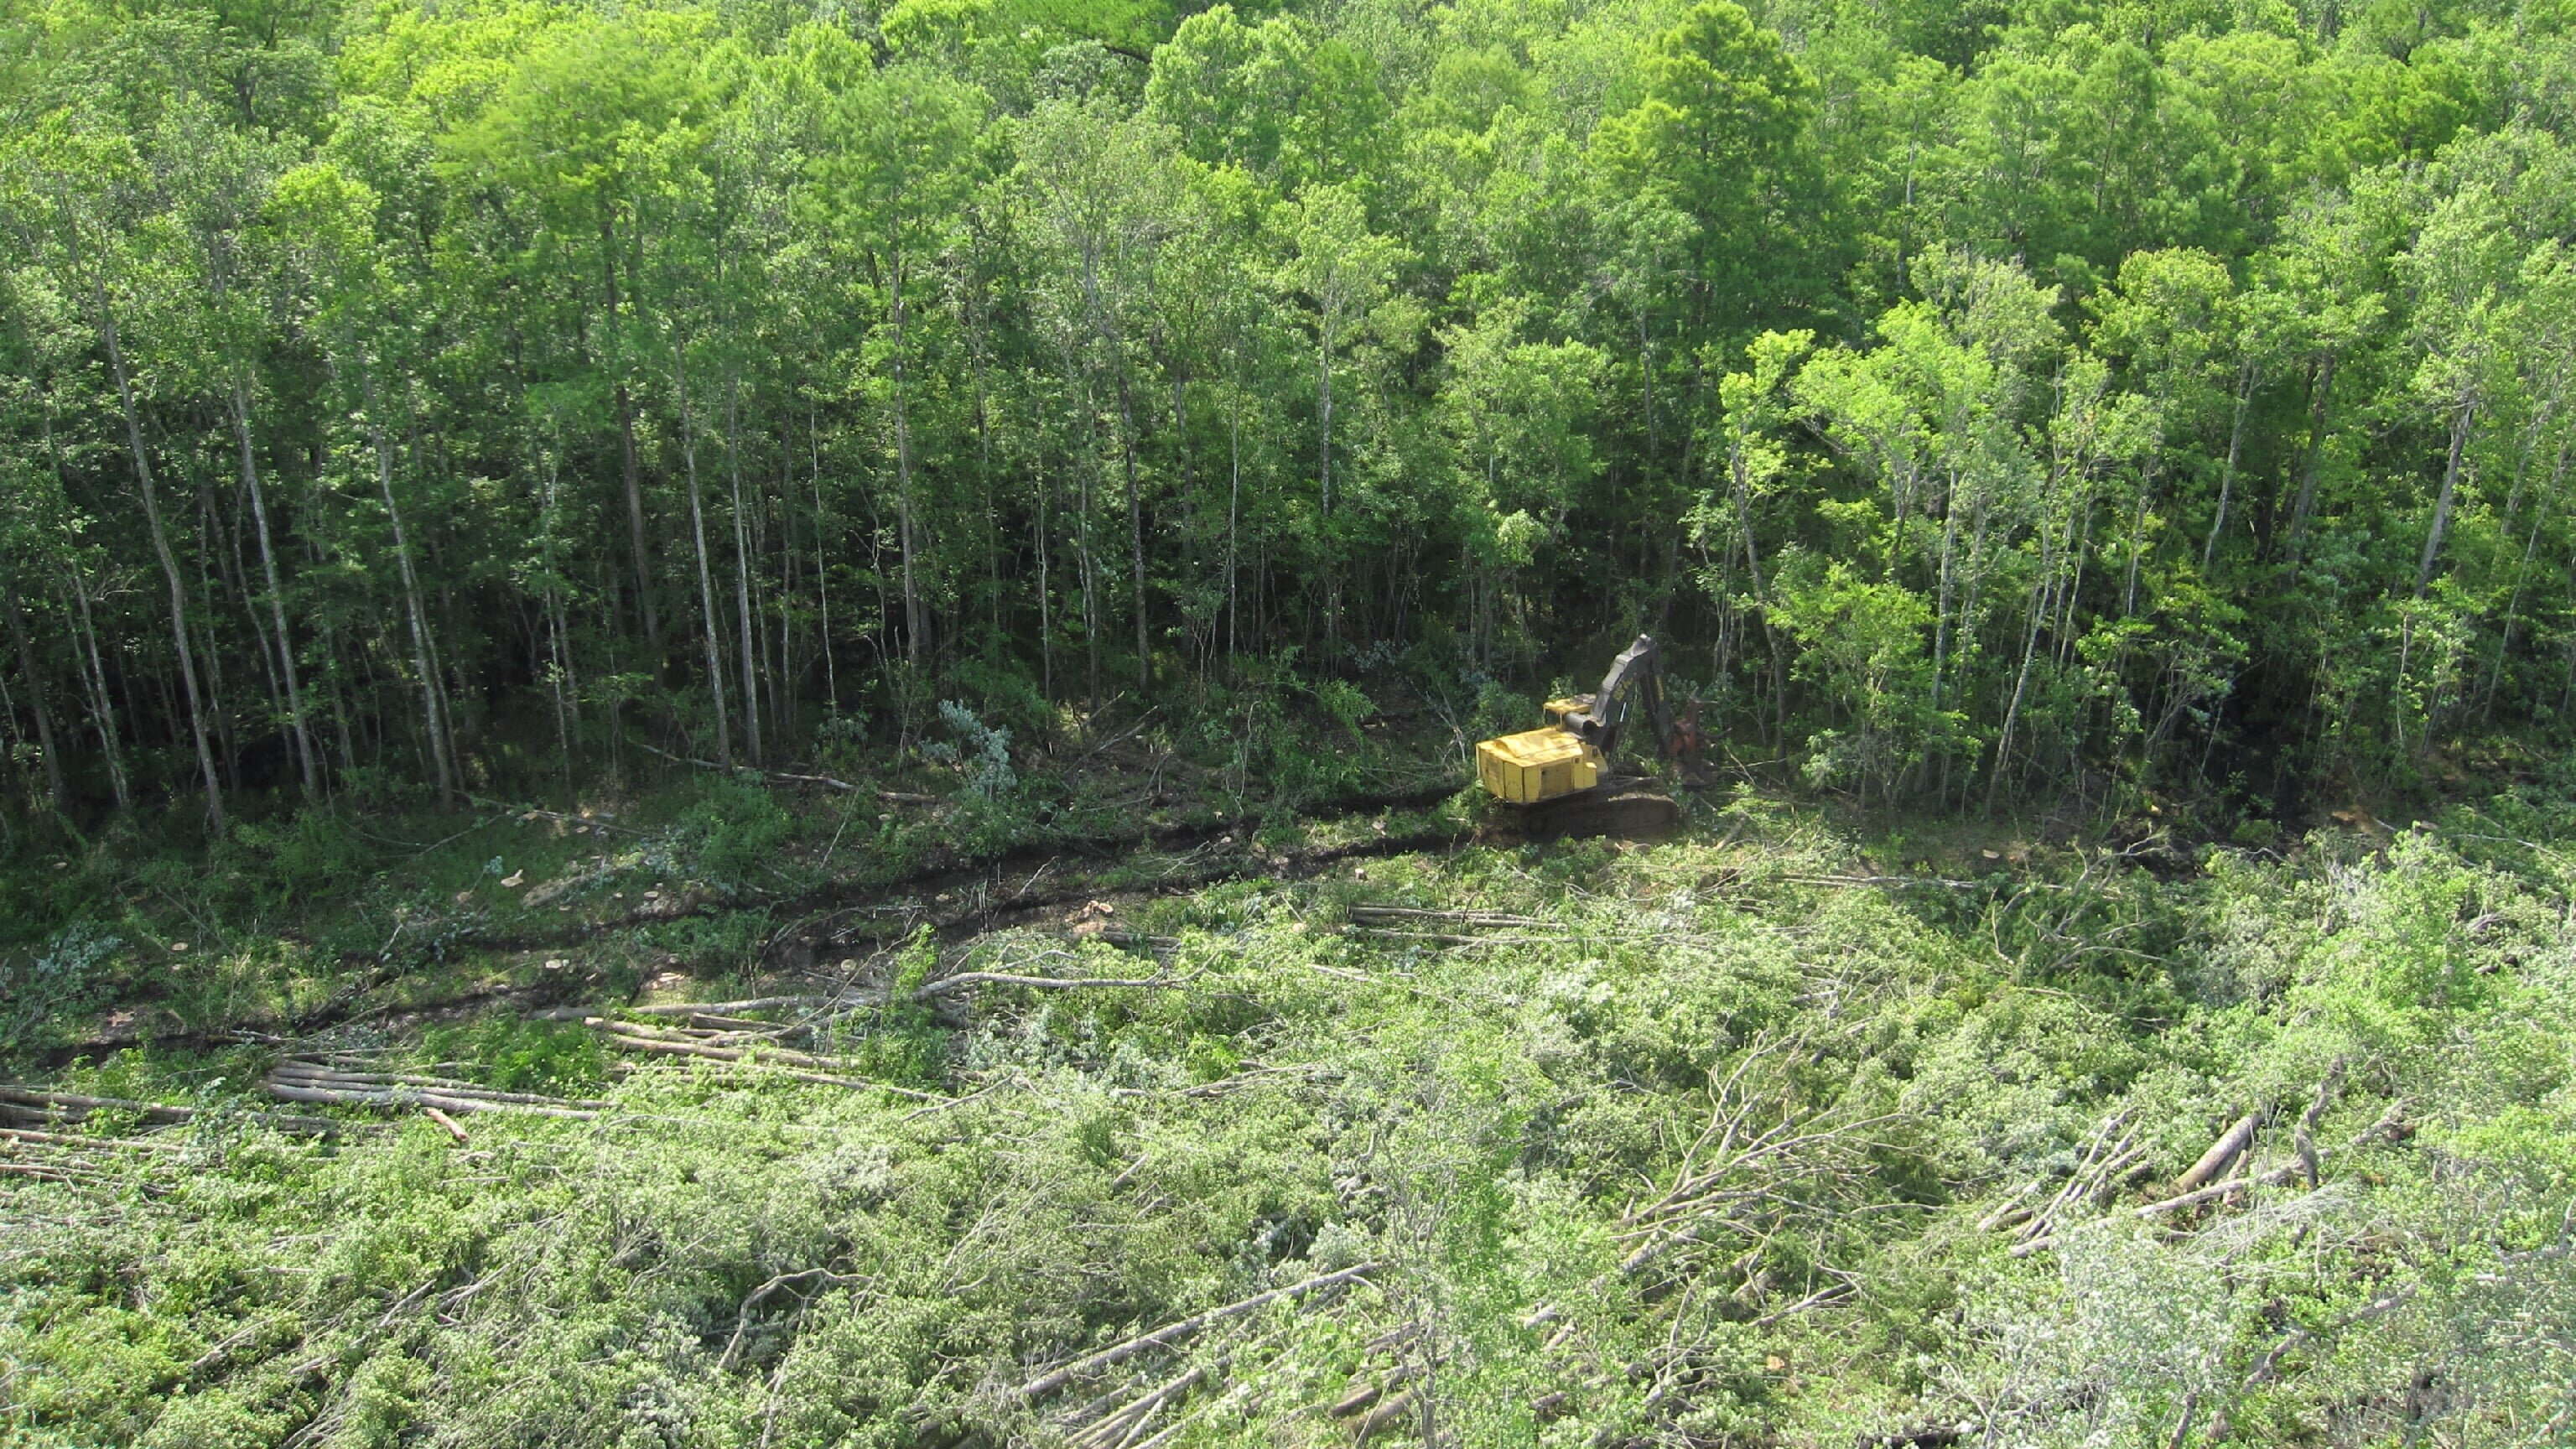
[1561,778]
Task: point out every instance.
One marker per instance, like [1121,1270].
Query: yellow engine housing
[1536,765]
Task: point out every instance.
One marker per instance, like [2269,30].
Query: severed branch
[2268,1367]
[1052,1380]
[1115,1429]
[34,1138]
[825,780]
[742,1319]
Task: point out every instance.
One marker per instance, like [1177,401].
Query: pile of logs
[41,1156]
[713,1036]
[441,1098]
[1453,928]
[39,1108]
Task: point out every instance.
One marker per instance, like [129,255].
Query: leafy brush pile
[1703,1144]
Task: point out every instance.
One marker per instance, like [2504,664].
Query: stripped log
[1386,1415]
[1367,914]
[1119,1426]
[75,1105]
[1928,1436]
[641,1038]
[2195,1197]
[723,1040]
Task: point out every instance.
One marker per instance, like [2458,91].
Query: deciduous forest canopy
[1997,400]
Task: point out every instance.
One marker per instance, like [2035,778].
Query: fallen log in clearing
[74,1104]
[1116,1428]
[769,1060]
[735,1025]
[1386,1415]
[1459,918]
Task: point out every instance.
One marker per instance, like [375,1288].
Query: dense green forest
[1995,402]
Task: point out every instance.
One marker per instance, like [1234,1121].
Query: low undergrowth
[1741,1139]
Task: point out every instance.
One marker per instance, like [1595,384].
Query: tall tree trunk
[1740,478]
[915,624]
[2442,503]
[209,564]
[334,675]
[1046,614]
[102,701]
[2227,474]
[1941,609]
[1324,467]
[565,688]
[276,596]
[55,787]
[632,472]
[742,578]
[698,530]
[423,649]
[161,551]
[822,565]
[1135,530]
[1078,388]
[2307,500]
[1233,519]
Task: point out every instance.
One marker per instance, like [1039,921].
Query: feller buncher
[1562,778]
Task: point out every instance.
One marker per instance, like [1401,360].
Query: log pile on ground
[34,1107]
[326,1085]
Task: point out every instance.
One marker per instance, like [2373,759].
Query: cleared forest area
[1307,1134]
[750,723]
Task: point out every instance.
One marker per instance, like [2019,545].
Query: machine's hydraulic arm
[1635,682]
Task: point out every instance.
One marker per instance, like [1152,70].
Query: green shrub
[69,973]
[730,833]
[982,755]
